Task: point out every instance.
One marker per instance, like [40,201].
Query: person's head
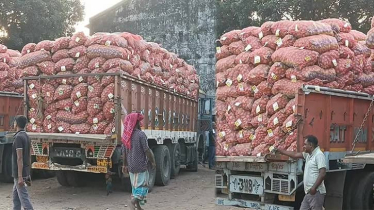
[214,125]
[135,119]
[20,122]
[310,143]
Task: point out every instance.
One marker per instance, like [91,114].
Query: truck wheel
[364,194]
[6,176]
[74,178]
[175,159]
[152,175]
[163,165]
[350,188]
[62,178]
[194,165]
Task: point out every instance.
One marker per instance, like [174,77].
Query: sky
[91,8]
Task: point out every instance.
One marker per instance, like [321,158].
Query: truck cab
[206,115]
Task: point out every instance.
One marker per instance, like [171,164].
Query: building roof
[110,9]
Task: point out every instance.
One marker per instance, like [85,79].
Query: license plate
[97,169]
[67,152]
[42,159]
[247,184]
[40,166]
[104,163]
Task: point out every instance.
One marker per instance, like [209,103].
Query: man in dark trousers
[212,146]
[21,165]
[314,173]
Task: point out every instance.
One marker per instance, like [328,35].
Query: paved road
[189,191]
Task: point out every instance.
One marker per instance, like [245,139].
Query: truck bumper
[250,204]
[58,167]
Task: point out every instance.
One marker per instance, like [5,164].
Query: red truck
[11,104]
[343,123]
[170,124]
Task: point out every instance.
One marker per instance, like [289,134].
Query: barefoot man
[135,158]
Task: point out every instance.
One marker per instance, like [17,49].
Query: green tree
[237,14]
[27,21]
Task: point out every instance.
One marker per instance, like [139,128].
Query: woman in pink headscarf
[135,159]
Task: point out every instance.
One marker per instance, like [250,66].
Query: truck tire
[74,178]
[175,159]
[163,165]
[194,165]
[6,176]
[350,188]
[363,199]
[152,175]
[62,178]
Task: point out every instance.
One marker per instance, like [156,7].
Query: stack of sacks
[370,43]
[85,104]
[7,73]
[260,69]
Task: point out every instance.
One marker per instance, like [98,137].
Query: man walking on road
[21,165]
[314,173]
[135,158]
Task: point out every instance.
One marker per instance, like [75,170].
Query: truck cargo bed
[334,117]
[366,158]
[11,104]
[163,110]
[70,137]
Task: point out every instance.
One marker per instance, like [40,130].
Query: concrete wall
[185,27]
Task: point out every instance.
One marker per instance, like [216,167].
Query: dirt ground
[189,191]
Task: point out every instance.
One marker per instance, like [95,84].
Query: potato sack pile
[85,104]
[259,71]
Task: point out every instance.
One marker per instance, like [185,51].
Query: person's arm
[294,155]
[147,150]
[124,160]
[19,150]
[321,164]
[20,163]
[151,157]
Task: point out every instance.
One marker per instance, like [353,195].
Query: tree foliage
[237,14]
[27,21]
